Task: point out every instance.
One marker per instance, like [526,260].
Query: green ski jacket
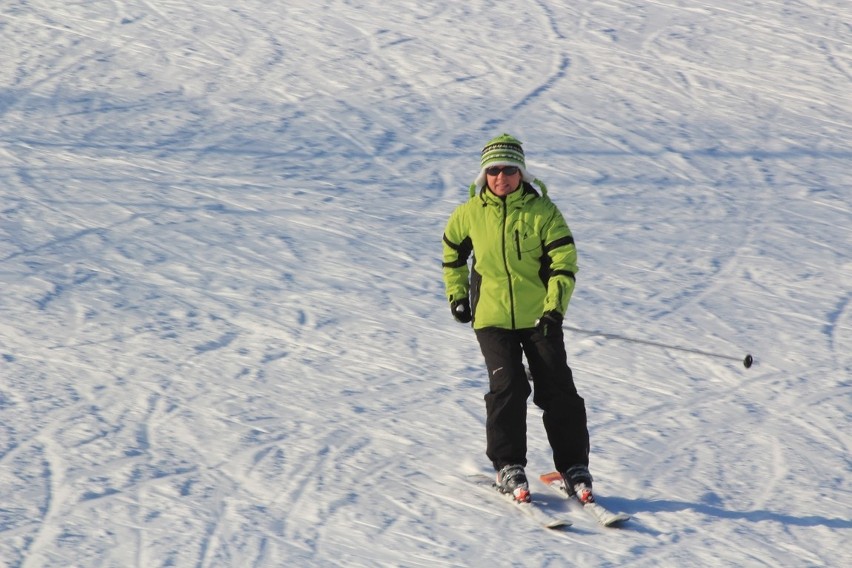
[524,258]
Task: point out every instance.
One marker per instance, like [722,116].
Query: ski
[601,514]
[531,509]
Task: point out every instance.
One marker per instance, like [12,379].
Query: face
[501,182]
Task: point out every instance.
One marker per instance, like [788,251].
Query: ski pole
[746,361]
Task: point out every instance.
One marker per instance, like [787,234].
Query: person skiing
[514,294]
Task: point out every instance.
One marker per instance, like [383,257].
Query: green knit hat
[505,150]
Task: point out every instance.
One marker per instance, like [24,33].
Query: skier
[515,294]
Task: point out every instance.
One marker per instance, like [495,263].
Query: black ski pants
[509,388]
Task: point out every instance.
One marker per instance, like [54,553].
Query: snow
[223,334]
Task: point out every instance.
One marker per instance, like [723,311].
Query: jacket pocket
[526,243]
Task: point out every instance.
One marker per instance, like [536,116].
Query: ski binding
[602,515]
[529,508]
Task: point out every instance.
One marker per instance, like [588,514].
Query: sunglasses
[507,170]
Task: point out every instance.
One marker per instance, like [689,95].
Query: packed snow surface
[223,333]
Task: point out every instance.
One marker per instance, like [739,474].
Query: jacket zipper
[506,264]
[518,243]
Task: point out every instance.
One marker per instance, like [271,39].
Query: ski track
[224,340]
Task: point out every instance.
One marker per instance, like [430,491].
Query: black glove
[549,324]
[461,310]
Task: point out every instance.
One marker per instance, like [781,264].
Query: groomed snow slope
[223,335]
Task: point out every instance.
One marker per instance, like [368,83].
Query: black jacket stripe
[463,250]
[567,273]
[451,244]
[564,241]
[456,264]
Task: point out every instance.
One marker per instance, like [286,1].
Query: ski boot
[578,482]
[511,479]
